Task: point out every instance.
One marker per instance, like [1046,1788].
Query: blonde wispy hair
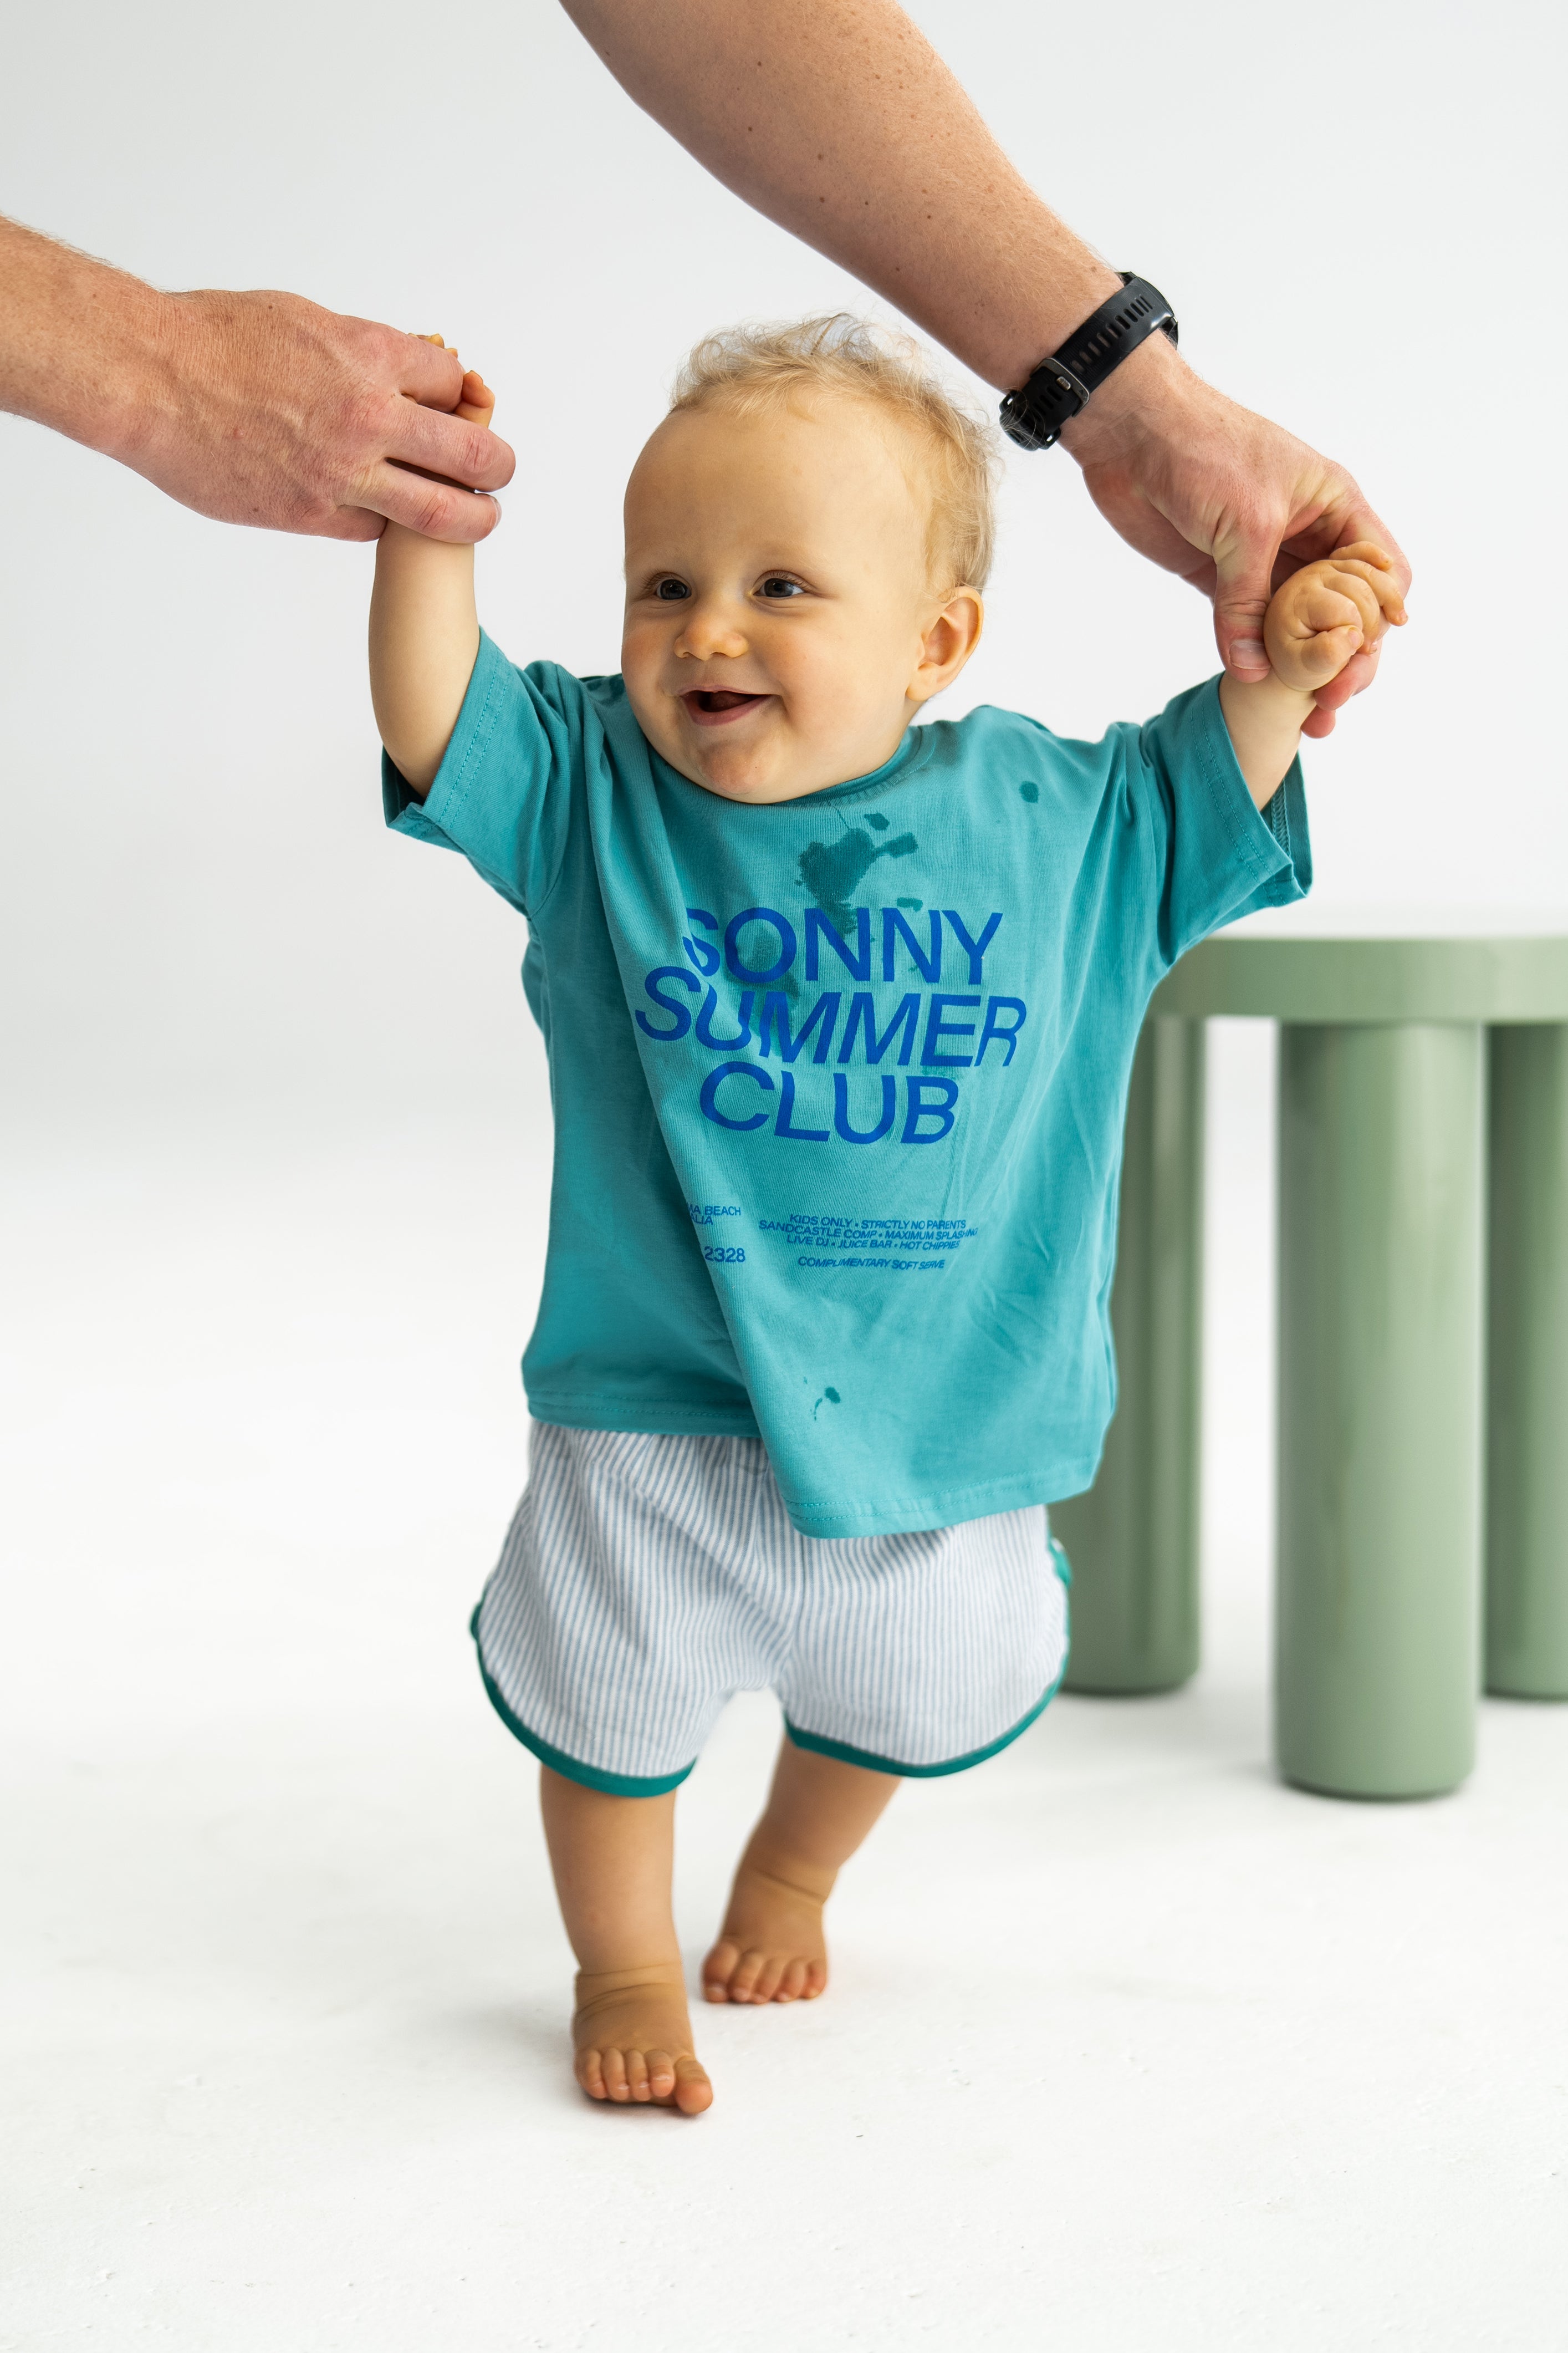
[750,367]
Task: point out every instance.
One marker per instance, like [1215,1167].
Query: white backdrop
[196,893]
[287,2062]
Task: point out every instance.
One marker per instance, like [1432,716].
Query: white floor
[1128,2047]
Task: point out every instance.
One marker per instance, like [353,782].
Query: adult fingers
[436,509]
[424,370]
[1243,575]
[1358,674]
[1346,522]
[351,522]
[449,446]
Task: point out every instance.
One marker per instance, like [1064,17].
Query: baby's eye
[671,592]
[779,586]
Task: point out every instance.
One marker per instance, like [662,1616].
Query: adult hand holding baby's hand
[1330,611]
[476,401]
[1330,614]
[271,410]
[1230,502]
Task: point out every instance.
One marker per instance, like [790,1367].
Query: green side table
[1423,1342]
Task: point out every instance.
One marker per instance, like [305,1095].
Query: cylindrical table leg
[1527,1456]
[1380,1406]
[1133,1539]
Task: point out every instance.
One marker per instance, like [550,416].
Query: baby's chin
[759,770]
[735,778]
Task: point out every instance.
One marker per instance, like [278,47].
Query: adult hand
[1233,503]
[296,419]
[254,408]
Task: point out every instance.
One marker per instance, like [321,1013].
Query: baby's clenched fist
[1329,611]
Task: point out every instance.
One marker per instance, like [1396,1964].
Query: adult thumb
[1243,583]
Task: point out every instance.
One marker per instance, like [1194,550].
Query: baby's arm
[424,632]
[1321,617]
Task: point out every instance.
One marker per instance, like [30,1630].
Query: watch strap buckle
[1035,414]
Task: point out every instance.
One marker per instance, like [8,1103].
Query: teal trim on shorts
[847,1756]
[630,1785]
[570,1768]
[819,1747]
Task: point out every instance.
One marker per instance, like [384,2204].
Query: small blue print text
[891,1265]
[708,1213]
[878,1234]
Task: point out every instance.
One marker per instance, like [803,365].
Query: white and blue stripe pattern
[645,1578]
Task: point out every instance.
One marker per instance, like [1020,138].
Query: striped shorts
[647,1578]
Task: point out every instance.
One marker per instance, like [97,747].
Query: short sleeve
[1224,856]
[502,794]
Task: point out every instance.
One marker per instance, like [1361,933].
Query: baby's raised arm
[424,632]
[1323,615]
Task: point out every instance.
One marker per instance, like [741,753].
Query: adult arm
[256,408]
[838,120]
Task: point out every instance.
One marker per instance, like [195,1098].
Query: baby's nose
[709,633]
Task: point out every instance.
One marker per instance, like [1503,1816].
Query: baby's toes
[719,1969]
[770,1977]
[637,2075]
[743,1978]
[614,2064]
[792,1985]
[693,2091]
[591,2074]
[660,2069]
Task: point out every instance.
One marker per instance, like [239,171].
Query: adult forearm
[839,119]
[256,407]
[78,350]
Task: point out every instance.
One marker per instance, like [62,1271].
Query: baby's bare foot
[771,1947]
[632,2036]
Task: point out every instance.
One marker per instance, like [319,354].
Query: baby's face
[781,628]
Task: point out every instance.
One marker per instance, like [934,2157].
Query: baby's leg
[612,1858]
[771,1947]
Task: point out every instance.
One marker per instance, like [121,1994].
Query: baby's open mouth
[714,706]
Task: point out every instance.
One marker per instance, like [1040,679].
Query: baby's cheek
[639,658]
[640,665]
[836,680]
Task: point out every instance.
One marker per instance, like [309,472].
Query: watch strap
[1034,416]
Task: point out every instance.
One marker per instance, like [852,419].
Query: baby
[840,1014]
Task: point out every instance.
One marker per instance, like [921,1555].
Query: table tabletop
[1503,978]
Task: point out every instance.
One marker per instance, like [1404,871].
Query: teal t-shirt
[840,1082]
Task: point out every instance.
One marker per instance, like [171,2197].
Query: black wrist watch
[1034,416]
